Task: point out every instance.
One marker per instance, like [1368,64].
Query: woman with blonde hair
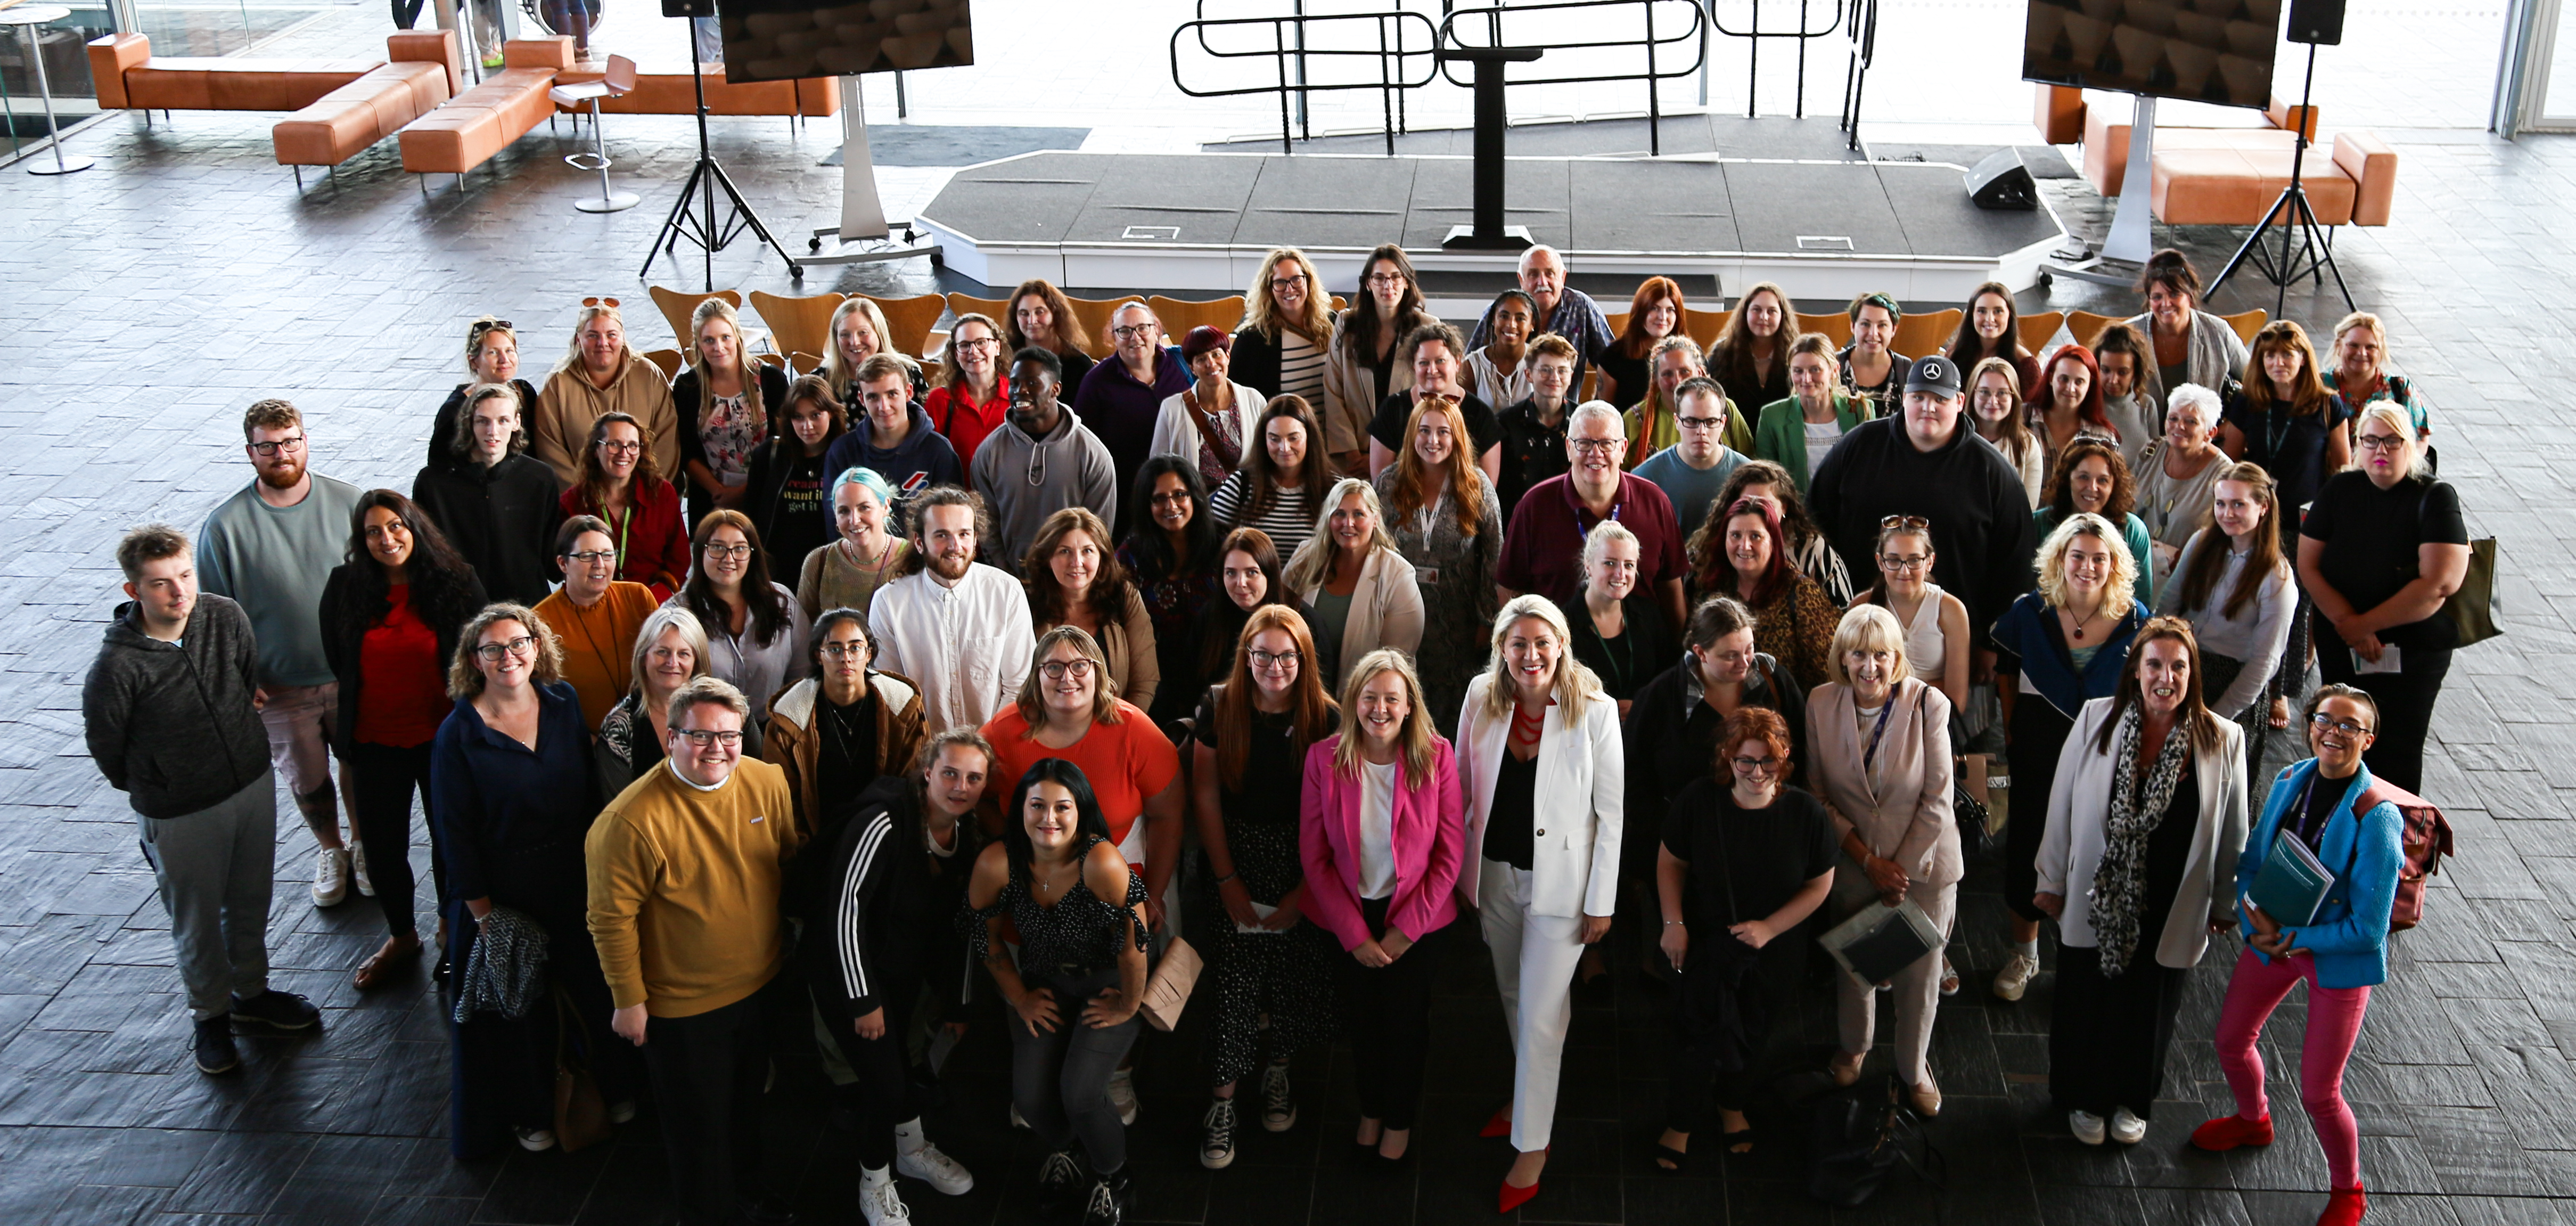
[1248,756]
[1798,430]
[491,356]
[858,332]
[1881,740]
[2064,646]
[1539,761]
[1448,522]
[1041,315]
[600,375]
[1359,590]
[1995,406]
[2233,586]
[1383,844]
[670,651]
[1279,349]
[1073,578]
[728,406]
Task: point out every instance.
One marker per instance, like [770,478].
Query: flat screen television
[2217,51]
[777,40]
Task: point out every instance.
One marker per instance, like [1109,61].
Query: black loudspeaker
[688,8]
[2317,22]
[2002,182]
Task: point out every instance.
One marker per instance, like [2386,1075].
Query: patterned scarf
[2121,880]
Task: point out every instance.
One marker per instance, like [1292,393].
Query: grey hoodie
[172,725]
[1026,479]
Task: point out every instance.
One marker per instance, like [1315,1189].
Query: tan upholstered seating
[672,93]
[336,126]
[482,121]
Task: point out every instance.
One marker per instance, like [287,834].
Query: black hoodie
[1981,526]
[172,725]
[879,907]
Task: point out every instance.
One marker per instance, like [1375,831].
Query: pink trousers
[2334,1024]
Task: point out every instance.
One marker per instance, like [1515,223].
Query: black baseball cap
[1933,374]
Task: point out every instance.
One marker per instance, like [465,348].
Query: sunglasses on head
[593,302]
[482,326]
[1914,523]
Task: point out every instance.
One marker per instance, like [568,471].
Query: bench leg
[299,179]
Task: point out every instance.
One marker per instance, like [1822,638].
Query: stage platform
[1202,221]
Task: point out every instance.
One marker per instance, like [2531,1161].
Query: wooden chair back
[677,305]
[1180,315]
[1835,324]
[910,320]
[1919,335]
[801,363]
[778,360]
[668,360]
[2247,323]
[2036,329]
[1706,326]
[2085,325]
[798,325]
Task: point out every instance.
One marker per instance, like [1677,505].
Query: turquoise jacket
[2350,933]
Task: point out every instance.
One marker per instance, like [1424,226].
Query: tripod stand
[703,180]
[2314,254]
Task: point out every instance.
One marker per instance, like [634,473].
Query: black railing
[1862,26]
[1686,17]
[1290,53]
[1753,33]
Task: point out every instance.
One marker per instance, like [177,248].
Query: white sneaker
[358,870]
[535,1140]
[2086,1126]
[1122,1094]
[1018,1120]
[2127,1129]
[879,1203]
[2015,978]
[932,1167]
[622,1111]
[331,877]
[1278,1107]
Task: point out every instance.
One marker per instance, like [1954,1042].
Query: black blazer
[346,617]
[1255,360]
[501,519]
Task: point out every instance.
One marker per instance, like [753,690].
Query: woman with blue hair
[846,573]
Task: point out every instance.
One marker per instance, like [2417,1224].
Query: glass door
[2538,79]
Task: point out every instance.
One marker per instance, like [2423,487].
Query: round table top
[33,14]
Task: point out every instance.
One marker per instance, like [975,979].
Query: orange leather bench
[2229,176]
[335,127]
[127,76]
[482,121]
[671,93]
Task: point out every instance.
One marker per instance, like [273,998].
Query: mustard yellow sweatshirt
[684,888]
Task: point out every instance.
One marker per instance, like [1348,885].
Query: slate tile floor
[150,299]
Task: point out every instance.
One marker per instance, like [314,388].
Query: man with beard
[1042,460]
[957,628]
[269,549]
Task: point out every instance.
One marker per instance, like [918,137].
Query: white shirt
[1821,437]
[1377,830]
[967,646]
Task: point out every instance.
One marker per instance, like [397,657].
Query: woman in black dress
[1743,864]
[1619,633]
[1247,766]
[1171,555]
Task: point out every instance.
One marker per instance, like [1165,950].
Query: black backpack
[1856,1135]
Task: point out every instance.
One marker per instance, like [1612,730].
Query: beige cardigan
[1909,819]
[1351,393]
[1386,608]
[2079,810]
[1135,672]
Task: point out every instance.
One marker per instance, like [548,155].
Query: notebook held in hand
[2292,884]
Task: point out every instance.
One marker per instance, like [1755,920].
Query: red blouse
[964,421]
[402,693]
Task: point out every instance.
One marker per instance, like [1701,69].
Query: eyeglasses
[1602,445]
[2325,722]
[524,645]
[1383,278]
[615,447]
[702,738]
[1912,561]
[1909,523]
[845,651]
[1131,331]
[2382,442]
[592,302]
[1291,279]
[1699,423]
[592,555]
[729,552]
[1268,659]
[287,445]
[1757,766]
[1057,670]
[1172,498]
[977,344]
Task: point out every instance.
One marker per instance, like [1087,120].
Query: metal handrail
[1392,71]
[1862,26]
[1754,33]
[1696,34]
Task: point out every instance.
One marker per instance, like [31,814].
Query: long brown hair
[769,608]
[2016,424]
[1711,532]
[1633,340]
[2263,558]
[2195,718]
[1731,358]
[1714,572]
[594,477]
[1310,709]
[1410,313]
[1312,476]
[1256,544]
[1109,585]
[1060,317]
[2060,492]
[1966,345]
[1261,311]
[2311,396]
[1412,475]
[783,441]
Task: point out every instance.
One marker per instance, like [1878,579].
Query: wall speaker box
[2002,182]
[2318,22]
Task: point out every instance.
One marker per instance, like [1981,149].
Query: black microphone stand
[704,179]
[2315,243]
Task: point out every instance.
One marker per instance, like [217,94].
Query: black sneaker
[1060,1184]
[1112,1199]
[1216,1135]
[213,1046]
[767,1209]
[274,1012]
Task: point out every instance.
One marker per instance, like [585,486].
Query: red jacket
[963,421]
[1430,840]
[653,543]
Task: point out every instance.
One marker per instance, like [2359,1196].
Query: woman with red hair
[1656,312]
[1793,622]
[2066,404]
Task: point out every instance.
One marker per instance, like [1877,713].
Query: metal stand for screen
[2315,243]
[2132,239]
[864,233]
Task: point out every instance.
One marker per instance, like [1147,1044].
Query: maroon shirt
[1543,547]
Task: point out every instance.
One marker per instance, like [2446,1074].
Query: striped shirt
[1289,520]
[1301,368]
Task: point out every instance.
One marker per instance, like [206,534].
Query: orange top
[599,643]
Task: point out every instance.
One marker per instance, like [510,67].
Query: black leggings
[2405,701]
[2038,732]
[884,1087]
[381,781]
[1387,1011]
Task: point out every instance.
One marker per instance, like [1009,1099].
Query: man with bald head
[1562,309]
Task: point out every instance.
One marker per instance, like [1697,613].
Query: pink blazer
[1430,841]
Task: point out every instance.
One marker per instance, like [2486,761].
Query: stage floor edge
[1203,221]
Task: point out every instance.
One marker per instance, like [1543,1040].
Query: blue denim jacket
[2350,933]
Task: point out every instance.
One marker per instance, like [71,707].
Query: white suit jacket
[2079,810]
[1582,779]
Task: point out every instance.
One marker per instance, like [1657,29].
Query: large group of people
[1325,633]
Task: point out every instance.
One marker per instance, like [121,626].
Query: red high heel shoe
[1500,1125]
[1513,1198]
[2344,1207]
[2230,1131]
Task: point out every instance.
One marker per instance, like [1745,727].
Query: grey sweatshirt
[1026,479]
[274,561]
[171,724]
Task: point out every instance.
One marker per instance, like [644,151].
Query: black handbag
[1856,1136]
